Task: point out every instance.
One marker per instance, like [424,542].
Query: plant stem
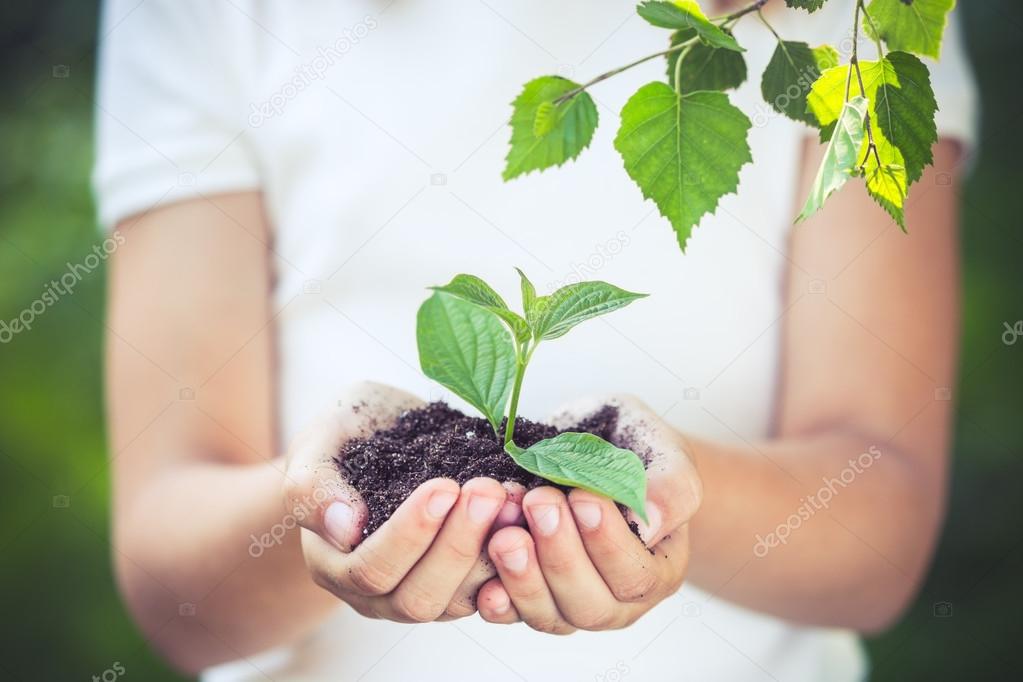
[521,360]
[752,7]
[763,20]
[876,37]
[727,19]
[614,72]
[854,62]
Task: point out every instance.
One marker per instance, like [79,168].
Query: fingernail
[440,503]
[546,517]
[499,603]
[648,531]
[338,520]
[515,560]
[587,514]
[482,508]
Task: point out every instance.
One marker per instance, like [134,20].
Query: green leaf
[791,73]
[684,151]
[465,348]
[705,67]
[582,460]
[545,134]
[841,158]
[528,297]
[474,290]
[558,312]
[909,25]
[808,5]
[686,14]
[902,109]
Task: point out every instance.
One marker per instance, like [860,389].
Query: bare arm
[194,478]
[862,365]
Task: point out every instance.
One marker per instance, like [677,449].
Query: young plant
[475,345]
[683,142]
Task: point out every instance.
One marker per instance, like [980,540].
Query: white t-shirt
[377,132]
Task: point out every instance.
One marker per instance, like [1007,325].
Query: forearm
[194,539]
[812,529]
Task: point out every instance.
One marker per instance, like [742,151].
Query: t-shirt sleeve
[170,121]
[954,87]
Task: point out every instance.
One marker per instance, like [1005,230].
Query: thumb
[674,493]
[674,489]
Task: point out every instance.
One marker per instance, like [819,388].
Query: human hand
[580,566]
[424,563]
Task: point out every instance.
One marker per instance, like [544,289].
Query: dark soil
[437,441]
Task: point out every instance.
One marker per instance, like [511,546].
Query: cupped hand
[424,563]
[580,566]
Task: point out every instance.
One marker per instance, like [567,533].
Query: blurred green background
[62,617]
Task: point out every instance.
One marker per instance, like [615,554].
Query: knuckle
[459,609]
[637,586]
[462,551]
[596,619]
[371,579]
[552,626]
[416,607]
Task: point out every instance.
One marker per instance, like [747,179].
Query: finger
[464,602]
[383,559]
[674,490]
[579,590]
[628,569]
[513,553]
[495,604]
[313,480]
[429,587]
[511,512]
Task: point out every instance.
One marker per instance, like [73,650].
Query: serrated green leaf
[474,290]
[686,14]
[705,67]
[808,5]
[886,184]
[542,140]
[583,460]
[841,159]
[466,349]
[909,25]
[792,71]
[902,109]
[684,151]
[528,297]
[556,313]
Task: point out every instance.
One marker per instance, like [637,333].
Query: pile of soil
[438,441]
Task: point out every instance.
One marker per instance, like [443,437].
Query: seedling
[471,342]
